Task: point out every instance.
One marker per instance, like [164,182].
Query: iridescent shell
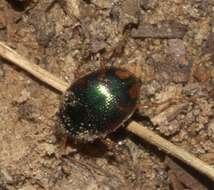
[98,103]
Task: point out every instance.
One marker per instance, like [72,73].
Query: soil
[173,41]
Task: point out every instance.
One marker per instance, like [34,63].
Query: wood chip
[168,30]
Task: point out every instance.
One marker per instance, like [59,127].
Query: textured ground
[173,40]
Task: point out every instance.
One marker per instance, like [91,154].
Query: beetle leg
[102,65]
[113,151]
[77,72]
[107,142]
[137,70]
[64,144]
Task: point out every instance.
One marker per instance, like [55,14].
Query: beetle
[99,103]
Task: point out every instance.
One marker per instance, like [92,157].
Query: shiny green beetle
[98,103]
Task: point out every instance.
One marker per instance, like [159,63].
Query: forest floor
[172,40]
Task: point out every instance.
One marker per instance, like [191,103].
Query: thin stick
[170,148]
[41,74]
[137,129]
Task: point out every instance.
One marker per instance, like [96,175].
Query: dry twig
[41,74]
[134,127]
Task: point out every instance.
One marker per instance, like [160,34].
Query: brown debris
[45,29]
[165,120]
[130,11]
[125,13]
[167,30]
[148,4]
[169,114]
[180,178]
[202,73]
[208,47]
[177,51]
[175,183]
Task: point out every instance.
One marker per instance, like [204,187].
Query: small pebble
[23,97]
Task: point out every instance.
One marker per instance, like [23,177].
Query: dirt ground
[172,40]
